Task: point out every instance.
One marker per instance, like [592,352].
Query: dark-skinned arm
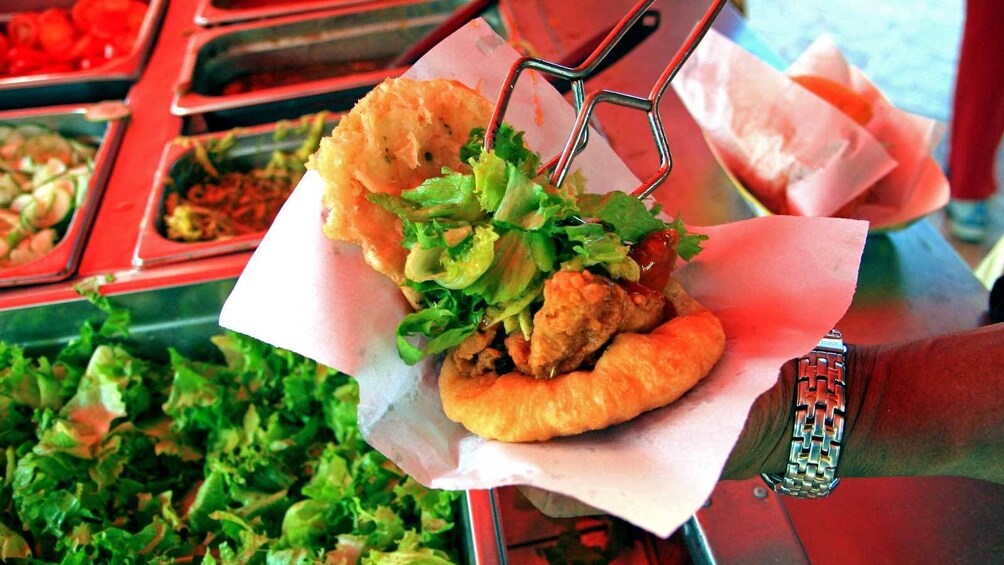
[928,407]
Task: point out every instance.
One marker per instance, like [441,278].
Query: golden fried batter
[636,373]
[400,134]
[581,312]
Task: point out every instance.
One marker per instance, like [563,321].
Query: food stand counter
[911,284]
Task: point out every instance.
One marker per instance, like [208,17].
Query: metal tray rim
[187,103]
[207,15]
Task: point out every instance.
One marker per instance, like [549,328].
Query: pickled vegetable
[43,178]
[214,199]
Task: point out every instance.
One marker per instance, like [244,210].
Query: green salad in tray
[113,457]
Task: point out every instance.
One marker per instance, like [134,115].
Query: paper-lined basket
[789,151]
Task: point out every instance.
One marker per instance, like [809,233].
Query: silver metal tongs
[585,104]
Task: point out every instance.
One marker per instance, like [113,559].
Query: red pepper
[22,29]
[656,255]
[134,16]
[23,60]
[3,54]
[55,67]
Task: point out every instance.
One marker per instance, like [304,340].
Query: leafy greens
[482,244]
[112,457]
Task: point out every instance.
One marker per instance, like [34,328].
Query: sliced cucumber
[9,188]
[52,204]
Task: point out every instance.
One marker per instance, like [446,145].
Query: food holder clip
[585,104]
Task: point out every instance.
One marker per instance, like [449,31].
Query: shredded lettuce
[466,276]
[114,457]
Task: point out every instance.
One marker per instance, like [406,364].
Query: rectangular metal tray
[111,81]
[219,12]
[184,316]
[71,121]
[252,148]
[325,60]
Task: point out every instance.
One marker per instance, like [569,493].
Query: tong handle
[575,75]
[585,105]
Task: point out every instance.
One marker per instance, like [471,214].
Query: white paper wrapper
[797,154]
[305,293]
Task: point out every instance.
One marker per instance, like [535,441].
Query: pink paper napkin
[799,155]
[303,292]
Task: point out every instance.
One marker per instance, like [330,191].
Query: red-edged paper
[303,292]
[796,153]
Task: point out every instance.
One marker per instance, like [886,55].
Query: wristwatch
[819,422]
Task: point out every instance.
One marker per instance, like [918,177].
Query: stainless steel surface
[485,545]
[184,316]
[110,81]
[252,148]
[743,523]
[329,59]
[218,12]
[72,122]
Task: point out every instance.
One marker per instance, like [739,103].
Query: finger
[557,505]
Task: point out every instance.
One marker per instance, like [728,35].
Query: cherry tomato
[22,29]
[656,255]
[84,37]
[103,18]
[56,34]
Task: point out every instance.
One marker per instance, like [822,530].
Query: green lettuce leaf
[690,243]
[512,273]
[629,217]
[441,325]
[594,246]
[453,270]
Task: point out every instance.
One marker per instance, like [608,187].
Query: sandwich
[554,310]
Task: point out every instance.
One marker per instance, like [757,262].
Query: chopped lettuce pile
[111,457]
[482,244]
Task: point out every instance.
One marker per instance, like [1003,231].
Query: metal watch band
[819,422]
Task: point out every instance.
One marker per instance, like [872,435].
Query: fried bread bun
[637,372]
[600,353]
[398,135]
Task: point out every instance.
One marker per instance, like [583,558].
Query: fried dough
[636,373]
[397,136]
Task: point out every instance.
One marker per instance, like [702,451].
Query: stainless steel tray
[184,316]
[111,81]
[218,12]
[302,64]
[71,121]
[252,148]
